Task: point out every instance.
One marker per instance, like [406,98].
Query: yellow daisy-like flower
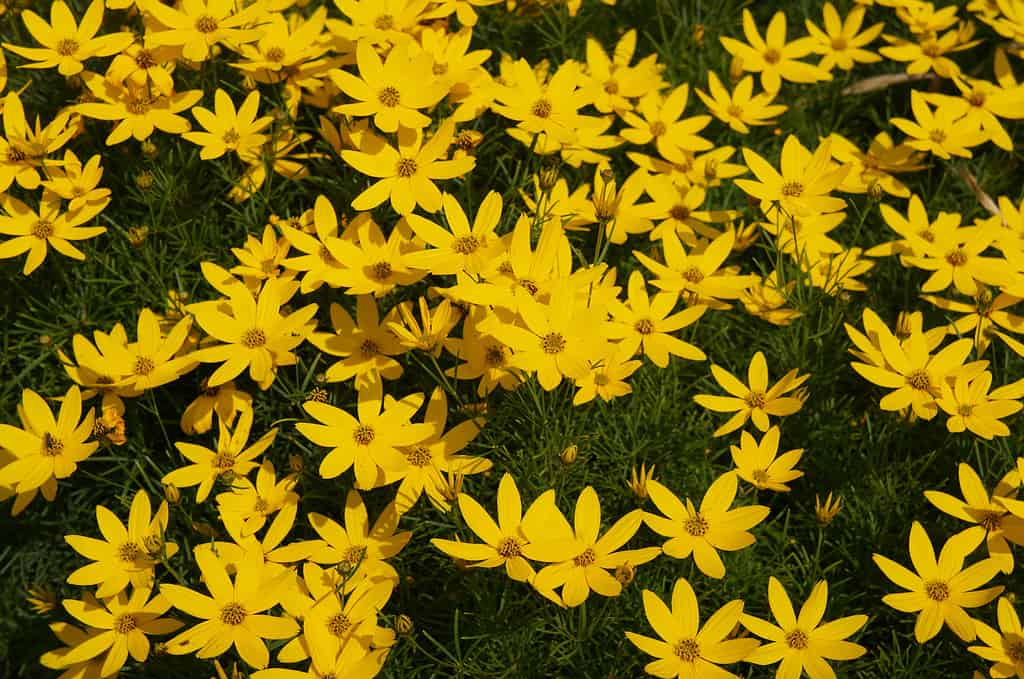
[250,504]
[940,131]
[972,407]
[35,232]
[225,401]
[77,183]
[1005,646]
[801,186]
[463,249]
[940,590]
[645,324]
[841,42]
[741,108]
[65,42]
[23,150]
[125,554]
[774,58]
[705,530]
[136,111]
[685,649]
[801,642]
[200,25]
[756,401]
[757,464]
[228,129]
[365,345]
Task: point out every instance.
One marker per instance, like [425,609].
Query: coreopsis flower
[429,332]
[251,504]
[638,481]
[200,25]
[36,232]
[23,149]
[1005,646]
[365,345]
[334,621]
[391,91]
[679,206]
[645,324]
[943,131]
[289,50]
[463,248]
[66,43]
[320,262]
[375,264]
[505,543]
[579,556]
[772,57]
[123,624]
[77,183]
[153,359]
[261,258]
[136,111]
[256,335]
[841,43]
[916,229]
[684,648]
[825,512]
[140,67]
[987,103]
[928,51]
[233,614]
[125,555]
[612,83]
[875,167]
[757,464]
[660,120]
[381,22]
[615,209]
[228,129]
[40,599]
[939,591]
[406,174]
[802,184]
[835,273]
[702,531]
[358,549]
[542,108]
[45,448]
[224,400]
[755,400]
[607,377]
[990,517]
[232,457]
[768,299]
[800,641]
[956,260]
[982,316]
[972,407]
[370,443]
[741,108]
[484,356]
[909,369]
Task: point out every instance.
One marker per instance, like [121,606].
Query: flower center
[363,435]
[585,558]
[260,506]
[696,525]
[965,410]
[144,59]
[936,590]
[797,639]
[232,614]
[541,108]
[465,245]
[927,235]
[406,167]
[760,476]
[1015,650]
[679,213]
[137,107]
[206,24]
[494,356]
[956,257]
[368,348]
[338,624]
[123,624]
[529,286]
[509,548]
[254,338]
[611,87]
[644,326]
[931,49]
[937,136]
[231,137]
[381,271]
[129,551]
[991,520]
[465,140]
[389,96]
[734,111]
[658,128]
[326,257]
[687,650]
[756,399]
[67,47]
[275,54]
[792,189]
[601,380]
[42,229]
[977,99]
[354,554]
[418,456]
[52,446]
[440,69]
[839,43]
[16,155]
[553,343]
[772,55]
[919,380]
[143,365]
[385,22]
[693,275]
[224,462]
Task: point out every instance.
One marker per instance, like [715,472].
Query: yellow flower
[580,557]
[772,57]
[137,111]
[233,615]
[200,25]
[485,356]
[841,42]
[684,648]
[24,149]
[607,377]
[767,299]
[826,511]
[956,259]
[611,83]
[875,167]
[231,457]
[940,590]
[123,624]
[992,521]
[757,464]
[228,129]
[380,22]
[702,532]
[542,108]
[35,232]
[430,332]
[982,316]
[742,107]
[801,642]
[45,449]
[1004,647]
[943,131]
[928,50]
[66,43]
[659,120]
[319,264]
[801,186]
[365,345]
[143,66]
[77,183]
[391,91]
[256,335]
[464,248]
[224,400]
[971,406]
[756,401]
[252,504]
[261,258]
[40,599]
[369,444]
[374,264]
[125,554]
[153,360]
[643,323]
[406,175]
